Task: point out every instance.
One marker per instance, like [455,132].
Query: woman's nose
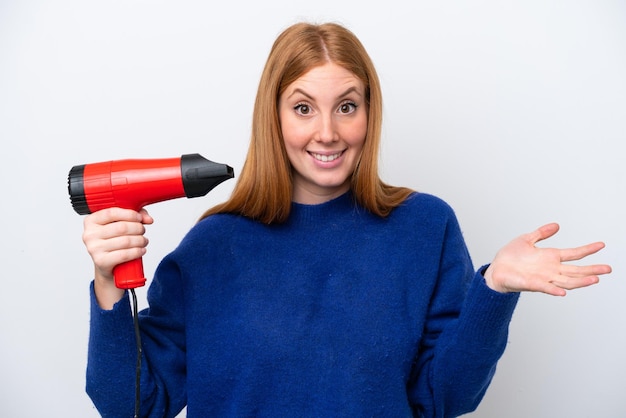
[327,129]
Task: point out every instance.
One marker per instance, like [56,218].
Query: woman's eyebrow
[302,92]
[352,89]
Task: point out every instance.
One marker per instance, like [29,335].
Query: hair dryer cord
[139,354]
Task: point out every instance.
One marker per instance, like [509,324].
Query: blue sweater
[336,313]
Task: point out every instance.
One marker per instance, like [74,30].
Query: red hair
[264,188]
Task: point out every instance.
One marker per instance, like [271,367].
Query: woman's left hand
[521,266]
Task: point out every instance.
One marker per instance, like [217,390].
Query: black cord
[138,341]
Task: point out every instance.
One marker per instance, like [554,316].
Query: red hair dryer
[133,184]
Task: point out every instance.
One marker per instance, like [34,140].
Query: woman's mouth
[325,158]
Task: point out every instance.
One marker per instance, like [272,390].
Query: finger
[582,271]
[571,283]
[109,215]
[535,283]
[543,232]
[122,256]
[97,232]
[123,242]
[99,248]
[146,218]
[570,254]
[111,252]
[548,288]
[106,261]
[122,228]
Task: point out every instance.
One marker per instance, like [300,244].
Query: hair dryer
[133,184]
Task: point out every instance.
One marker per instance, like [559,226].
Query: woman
[316,289]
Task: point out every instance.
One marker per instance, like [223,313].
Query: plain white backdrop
[513,112]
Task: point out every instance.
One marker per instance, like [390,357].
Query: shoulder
[218,226]
[425,214]
[211,239]
[425,203]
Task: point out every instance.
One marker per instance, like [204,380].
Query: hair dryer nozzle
[77,190]
[200,175]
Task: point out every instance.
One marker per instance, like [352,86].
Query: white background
[513,112]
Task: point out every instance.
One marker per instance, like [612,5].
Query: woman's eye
[302,109]
[347,107]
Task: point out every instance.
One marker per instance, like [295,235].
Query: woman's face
[323,117]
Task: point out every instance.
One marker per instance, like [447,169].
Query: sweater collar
[323,211]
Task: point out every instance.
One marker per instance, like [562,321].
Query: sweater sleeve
[112,353]
[465,335]
[111,358]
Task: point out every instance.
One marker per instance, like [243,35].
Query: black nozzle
[200,175]
[76,189]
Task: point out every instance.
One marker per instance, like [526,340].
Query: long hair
[264,188]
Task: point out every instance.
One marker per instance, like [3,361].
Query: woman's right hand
[113,236]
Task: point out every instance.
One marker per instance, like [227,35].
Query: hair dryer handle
[129,275]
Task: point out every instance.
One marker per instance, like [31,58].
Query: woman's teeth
[326,158]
